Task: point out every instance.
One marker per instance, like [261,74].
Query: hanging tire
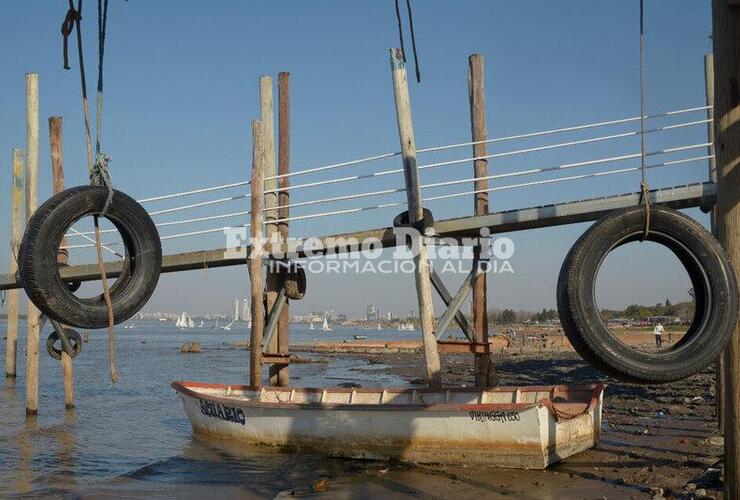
[41,241]
[711,275]
[74,338]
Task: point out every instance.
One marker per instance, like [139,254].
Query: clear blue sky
[181,90]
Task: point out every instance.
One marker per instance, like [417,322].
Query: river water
[133,437]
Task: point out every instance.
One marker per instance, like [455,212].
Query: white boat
[201,324]
[310,326]
[228,327]
[379,327]
[325,325]
[528,427]
[184,321]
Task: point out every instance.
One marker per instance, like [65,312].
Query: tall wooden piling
[32,170]
[413,196]
[712,167]
[16,222]
[283,371]
[726,40]
[476,94]
[57,174]
[256,282]
[267,117]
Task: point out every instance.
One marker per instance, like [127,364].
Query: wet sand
[654,438]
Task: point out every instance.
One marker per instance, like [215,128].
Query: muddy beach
[657,441]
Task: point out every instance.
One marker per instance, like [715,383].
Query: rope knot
[72,17]
[100,176]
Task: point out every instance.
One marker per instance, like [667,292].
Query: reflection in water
[134,438]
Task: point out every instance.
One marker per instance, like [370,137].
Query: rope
[400,31]
[68,25]
[644,188]
[97,170]
[413,42]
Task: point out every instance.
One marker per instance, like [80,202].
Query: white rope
[557,145]
[560,130]
[201,204]
[563,166]
[569,178]
[433,198]
[84,235]
[335,165]
[195,191]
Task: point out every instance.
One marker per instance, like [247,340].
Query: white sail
[325,326]
[191,323]
[310,326]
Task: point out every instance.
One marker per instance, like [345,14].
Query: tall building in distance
[372,313]
[236,309]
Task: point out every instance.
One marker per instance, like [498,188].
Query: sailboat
[184,321]
[228,327]
[201,324]
[310,326]
[325,326]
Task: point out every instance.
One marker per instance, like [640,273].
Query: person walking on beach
[658,331]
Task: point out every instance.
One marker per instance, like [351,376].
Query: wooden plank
[678,197]
[450,346]
[726,38]
[479,129]
[413,196]
[712,164]
[283,340]
[57,174]
[446,297]
[453,308]
[32,171]
[274,317]
[256,283]
[16,223]
[267,117]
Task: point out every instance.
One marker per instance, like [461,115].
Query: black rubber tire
[709,270]
[295,282]
[72,285]
[43,235]
[74,338]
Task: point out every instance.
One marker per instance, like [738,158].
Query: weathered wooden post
[57,173]
[256,282]
[712,164]
[283,371]
[476,93]
[726,40]
[413,196]
[16,223]
[267,117]
[32,172]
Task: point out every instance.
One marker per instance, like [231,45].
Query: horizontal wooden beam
[688,196]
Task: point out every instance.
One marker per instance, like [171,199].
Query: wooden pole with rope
[16,223]
[726,40]
[32,171]
[283,371]
[476,93]
[254,263]
[57,174]
[413,195]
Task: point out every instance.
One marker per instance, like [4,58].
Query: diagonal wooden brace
[454,311]
[272,319]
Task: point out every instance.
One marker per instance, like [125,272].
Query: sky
[182,88]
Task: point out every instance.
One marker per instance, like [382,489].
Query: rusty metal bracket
[272,319]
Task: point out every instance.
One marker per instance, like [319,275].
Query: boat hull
[529,434]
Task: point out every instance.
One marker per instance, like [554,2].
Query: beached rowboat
[509,426]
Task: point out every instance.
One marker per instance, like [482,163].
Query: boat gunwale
[184,387]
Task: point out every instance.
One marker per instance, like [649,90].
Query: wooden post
[479,130]
[283,371]
[255,258]
[413,196]
[57,174]
[712,164]
[267,117]
[726,38]
[32,171]
[16,218]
